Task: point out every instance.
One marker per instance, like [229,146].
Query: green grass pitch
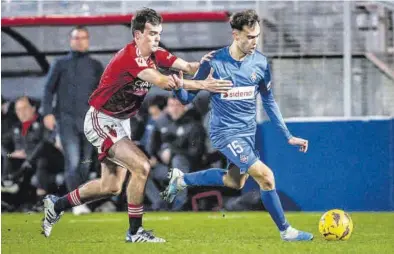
[210,232]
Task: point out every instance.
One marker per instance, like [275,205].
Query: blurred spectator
[29,147]
[177,141]
[72,79]
[8,117]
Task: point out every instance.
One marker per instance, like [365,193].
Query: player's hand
[302,143]
[207,57]
[217,85]
[50,122]
[178,81]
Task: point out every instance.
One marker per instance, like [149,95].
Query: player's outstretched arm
[191,67]
[168,82]
[273,112]
[272,109]
[156,78]
[188,67]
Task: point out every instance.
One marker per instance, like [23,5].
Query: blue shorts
[241,152]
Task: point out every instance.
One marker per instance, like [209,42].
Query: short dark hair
[242,18]
[146,15]
[159,101]
[82,28]
[25,98]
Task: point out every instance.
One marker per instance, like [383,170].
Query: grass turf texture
[211,232]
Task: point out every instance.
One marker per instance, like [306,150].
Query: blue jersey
[233,114]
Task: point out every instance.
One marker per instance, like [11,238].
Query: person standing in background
[72,78]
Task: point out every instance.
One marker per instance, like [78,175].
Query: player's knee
[143,169]
[265,179]
[237,185]
[232,183]
[243,181]
[111,189]
[268,182]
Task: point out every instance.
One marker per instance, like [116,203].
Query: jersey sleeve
[164,58]
[184,96]
[203,72]
[265,83]
[270,105]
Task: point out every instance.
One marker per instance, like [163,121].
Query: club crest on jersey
[253,77]
[239,93]
[141,62]
[243,158]
[111,130]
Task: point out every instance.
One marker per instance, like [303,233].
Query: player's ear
[137,34]
[234,33]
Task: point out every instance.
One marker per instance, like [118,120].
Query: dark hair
[242,18]
[24,97]
[146,15]
[159,101]
[81,28]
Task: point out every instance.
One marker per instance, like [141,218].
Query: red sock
[135,217]
[74,198]
[135,211]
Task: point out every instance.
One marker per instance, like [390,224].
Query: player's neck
[143,52]
[235,53]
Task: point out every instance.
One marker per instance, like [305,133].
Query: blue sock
[209,177]
[272,204]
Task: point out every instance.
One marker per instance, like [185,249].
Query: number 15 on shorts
[235,147]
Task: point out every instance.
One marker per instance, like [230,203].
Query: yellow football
[336,225]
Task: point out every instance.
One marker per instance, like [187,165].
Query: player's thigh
[240,151]
[109,136]
[112,173]
[126,154]
[102,131]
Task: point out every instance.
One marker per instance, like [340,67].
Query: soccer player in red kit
[123,86]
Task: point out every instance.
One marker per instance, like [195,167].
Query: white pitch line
[226,217]
[116,220]
[161,218]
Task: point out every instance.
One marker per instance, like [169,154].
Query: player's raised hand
[207,57]
[178,81]
[302,143]
[217,85]
[171,82]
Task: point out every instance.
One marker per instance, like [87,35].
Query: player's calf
[265,178]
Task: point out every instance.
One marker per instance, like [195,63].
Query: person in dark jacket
[178,140]
[30,149]
[72,79]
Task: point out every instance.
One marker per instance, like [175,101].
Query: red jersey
[120,92]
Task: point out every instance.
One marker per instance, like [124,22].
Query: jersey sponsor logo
[141,86]
[239,93]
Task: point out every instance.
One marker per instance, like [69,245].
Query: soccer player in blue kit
[233,125]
